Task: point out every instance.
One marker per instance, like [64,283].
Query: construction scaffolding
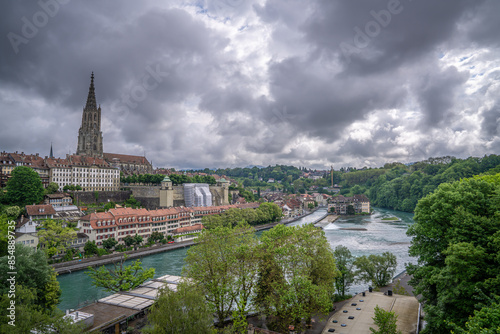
[197,194]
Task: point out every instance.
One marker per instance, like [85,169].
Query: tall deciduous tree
[33,272]
[31,318]
[121,277]
[345,264]
[181,311]
[109,243]
[24,187]
[456,237]
[90,248]
[377,269]
[54,238]
[52,188]
[297,275]
[224,265]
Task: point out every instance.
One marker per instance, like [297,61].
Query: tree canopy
[181,311]
[33,272]
[456,238]
[24,187]
[265,213]
[345,264]
[121,277]
[54,238]
[289,276]
[385,321]
[377,269]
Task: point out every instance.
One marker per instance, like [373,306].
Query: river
[379,237]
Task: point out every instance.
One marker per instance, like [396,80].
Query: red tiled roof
[128,212]
[81,160]
[195,227]
[34,210]
[126,158]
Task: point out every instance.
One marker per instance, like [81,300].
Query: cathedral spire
[51,152]
[91,102]
[90,135]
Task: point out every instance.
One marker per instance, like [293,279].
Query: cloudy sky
[227,83]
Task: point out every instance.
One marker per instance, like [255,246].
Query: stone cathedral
[90,135]
[90,140]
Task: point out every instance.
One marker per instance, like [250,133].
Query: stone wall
[145,191]
[88,197]
[150,203]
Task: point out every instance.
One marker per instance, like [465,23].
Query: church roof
[126,158]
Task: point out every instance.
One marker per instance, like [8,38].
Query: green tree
[156,237]
[54,238]
[109,205]
[345,264]
[484,321]
[30,317]
[52,188]
[132,202]
[33,272]
[226,282]
[69,255]
[137,240]
[121,277]
[90,248]
[128,241]
[350,210]
[456,237]
[109,243]
[377,269]
[297,275]
[181,311]
[24,187]
[12,211]
[386,322]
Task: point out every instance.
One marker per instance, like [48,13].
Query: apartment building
[120,222]
[360,204]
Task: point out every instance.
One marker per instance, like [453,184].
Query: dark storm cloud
[436,93]
[228,82]
[491,122]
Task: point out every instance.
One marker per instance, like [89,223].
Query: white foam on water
[331,226]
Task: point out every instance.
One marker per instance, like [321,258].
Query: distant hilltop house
[359,203]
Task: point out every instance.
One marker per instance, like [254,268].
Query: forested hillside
[399,187]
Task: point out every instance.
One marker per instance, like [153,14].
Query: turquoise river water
[380,236]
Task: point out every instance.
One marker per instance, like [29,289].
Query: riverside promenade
[75,265]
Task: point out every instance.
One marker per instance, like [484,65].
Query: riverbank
[75,265]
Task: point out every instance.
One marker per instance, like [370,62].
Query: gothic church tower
[90,135]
